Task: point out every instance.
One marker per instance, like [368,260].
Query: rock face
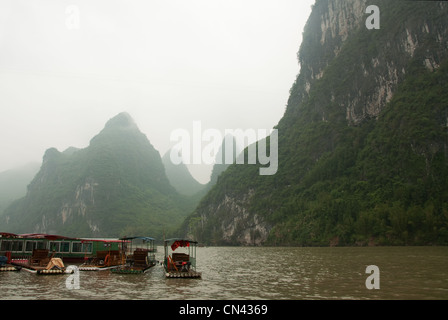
[115,186]
[363,133]
[375,65]
[233,223]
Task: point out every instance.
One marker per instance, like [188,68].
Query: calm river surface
[259,273]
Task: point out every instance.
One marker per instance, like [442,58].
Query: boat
[42,263]
[103,259]
[180,264]
[6,266]
[140,255]
[71,250]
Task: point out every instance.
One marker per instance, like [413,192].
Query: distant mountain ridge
[116,186]
[14,183]
[180,177]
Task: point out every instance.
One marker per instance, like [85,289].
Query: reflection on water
[260,273]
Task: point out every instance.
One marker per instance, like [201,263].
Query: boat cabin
[20,247]
[140,255]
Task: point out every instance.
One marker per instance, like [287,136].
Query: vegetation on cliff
[116,186]
[363,144]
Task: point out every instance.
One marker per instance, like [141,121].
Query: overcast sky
[67,67]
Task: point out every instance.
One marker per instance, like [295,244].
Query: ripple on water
[259,273]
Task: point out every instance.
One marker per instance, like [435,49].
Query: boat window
[6,245]
[55,246]
[65,246]
[87,247]
[41,245]
[76,247]
[31,244]
[17,246]
[107,245]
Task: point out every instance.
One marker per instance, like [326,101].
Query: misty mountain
[116,186]
[221,164]
[182,180]
[14,182]
[363,142]
[180,177]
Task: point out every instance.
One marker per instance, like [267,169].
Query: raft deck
[41,264]
[9,267]
[183,274]
[104,260]
[130,270]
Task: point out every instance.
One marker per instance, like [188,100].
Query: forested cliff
[116,186]
[363,143]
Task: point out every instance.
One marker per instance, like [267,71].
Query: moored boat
[104,260]
[6,266]
[140,255]
[74,250]
[41,263]
[180,264]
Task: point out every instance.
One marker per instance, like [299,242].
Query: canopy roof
[106,240]
[34,236]
[180,239]
[8,235]
[147,239]
[179,242]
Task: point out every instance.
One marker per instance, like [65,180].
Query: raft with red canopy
[182,263]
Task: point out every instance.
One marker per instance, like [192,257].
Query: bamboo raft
[6,266]
[94,268]
[9,268]
[180,264]
[44,271]
[187,274]
[129,270]
[141,259]
[40,263]
[104,260]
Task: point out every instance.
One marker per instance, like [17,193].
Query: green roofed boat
[19,247]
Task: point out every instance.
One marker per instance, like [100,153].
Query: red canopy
[180,243]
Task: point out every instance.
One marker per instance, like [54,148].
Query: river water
[253,273]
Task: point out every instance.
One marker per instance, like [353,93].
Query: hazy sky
[67,67]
